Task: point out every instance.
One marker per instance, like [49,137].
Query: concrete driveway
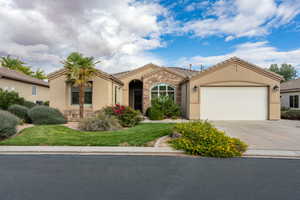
[271,135]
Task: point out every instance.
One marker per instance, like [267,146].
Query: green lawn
[57,135]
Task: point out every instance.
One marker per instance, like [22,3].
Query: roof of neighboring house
[290,86]
[99,73]
[18,76]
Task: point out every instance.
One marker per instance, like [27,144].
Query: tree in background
[18,65]
[80,71]
[286,70]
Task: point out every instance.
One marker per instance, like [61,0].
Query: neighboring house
[231,90]
[289,93]
[30,88]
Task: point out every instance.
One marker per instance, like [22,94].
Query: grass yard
[57,135]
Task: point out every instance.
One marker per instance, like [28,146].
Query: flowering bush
[202,138]
[127,116]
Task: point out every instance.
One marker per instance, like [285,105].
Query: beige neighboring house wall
[22,84]
[234,72]
[107,91]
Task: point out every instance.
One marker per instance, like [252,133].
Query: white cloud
[114,31]
[240,18]
[259,53]
[196,5]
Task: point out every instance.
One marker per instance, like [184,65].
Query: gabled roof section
[177,70]
[242,63]
[18,76]
[99,73]
[290,86]
[167,69]
[134,71]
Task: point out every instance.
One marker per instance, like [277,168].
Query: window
[88,95]
[294,101]
[116,95]
[163,90]
[34,90]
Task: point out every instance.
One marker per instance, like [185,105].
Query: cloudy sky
[125,34]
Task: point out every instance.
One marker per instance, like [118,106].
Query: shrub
[201,138]
[8,98]
[46,115]
[8,124]
[291,114]
[167,107]
[127,116]
[20,111]
[29,104]
[155,114]
[100,122]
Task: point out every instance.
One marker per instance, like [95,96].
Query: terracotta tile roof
[292,85]
[18,76]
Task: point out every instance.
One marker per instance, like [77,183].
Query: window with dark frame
[294,101]
[88,95]
[116,95]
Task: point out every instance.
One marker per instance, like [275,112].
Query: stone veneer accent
[160,77]
[73,115]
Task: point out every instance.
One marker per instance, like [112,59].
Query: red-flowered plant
[118,109]
[127,116]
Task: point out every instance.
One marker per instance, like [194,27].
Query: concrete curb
[80,150]
[263,153]
[168,151]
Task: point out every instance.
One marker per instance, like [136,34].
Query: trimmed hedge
[291,114]
[8,98]
[155,114]
[167,108]
[46,115]
[202,138]
[20,111]
[8,124]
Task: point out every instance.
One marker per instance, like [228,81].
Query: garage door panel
[233,103]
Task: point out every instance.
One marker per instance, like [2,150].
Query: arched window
[163,89]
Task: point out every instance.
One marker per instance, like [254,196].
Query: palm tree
[16,64]
[80,70]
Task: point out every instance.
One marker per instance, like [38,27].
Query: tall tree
[80,70]
[39,74]
[286,70]
[18,65]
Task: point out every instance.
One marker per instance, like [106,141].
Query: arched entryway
[136,95]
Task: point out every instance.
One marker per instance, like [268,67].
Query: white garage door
[234,103]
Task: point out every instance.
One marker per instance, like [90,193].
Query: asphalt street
[55,177]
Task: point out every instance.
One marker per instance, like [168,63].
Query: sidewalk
[78,150]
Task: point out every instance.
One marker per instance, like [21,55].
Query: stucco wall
[285,99]
[232,74]
[25,89]
[103,95]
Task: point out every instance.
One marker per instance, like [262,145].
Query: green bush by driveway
[56,135]
[290,114]
[201,138]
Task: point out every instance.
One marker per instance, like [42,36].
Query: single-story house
[230,90]
[29,88]
[289,94]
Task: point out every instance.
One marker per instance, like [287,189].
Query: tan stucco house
[29,88]
[290,93]
[231,90]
